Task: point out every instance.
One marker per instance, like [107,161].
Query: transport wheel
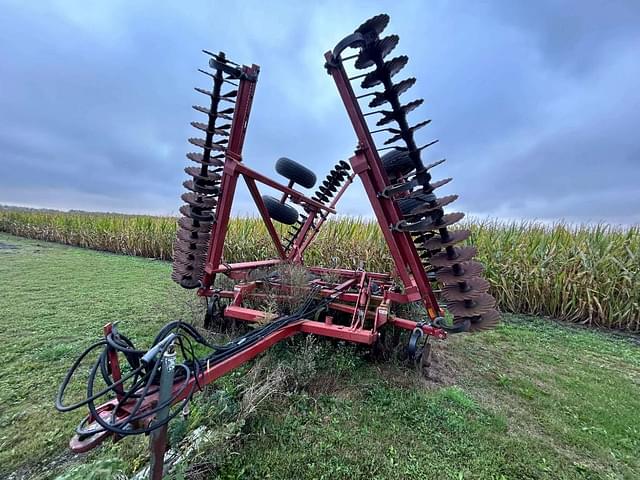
[397,163]
[280,212]
[295,172]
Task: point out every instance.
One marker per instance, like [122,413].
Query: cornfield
[585,274]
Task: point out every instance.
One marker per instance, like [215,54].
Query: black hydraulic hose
[63,386]
[145,375]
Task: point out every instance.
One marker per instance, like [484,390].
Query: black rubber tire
[296,172]
[397,163]
[280,212]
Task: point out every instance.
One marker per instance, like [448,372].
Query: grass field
[584,274]
[532,399]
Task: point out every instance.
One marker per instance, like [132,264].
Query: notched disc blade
[430,188]
[185,268]
[205,128]
[194,225]
[188,276]
[388,70]
[411,106]
[196,213]
[473,288]
[374,25]
[397,90]
[203,91]
[201,188]
[428,225]
[436,242]
[432,206]
[435,164]
[403,85]
[192,237]
[211,113]
[458,255]
[208,177]
[199,201]
[372,79]
[439,183]
[189,256]
[215,160]
[467,270]
[380,48]
[486,321]
[396,64]
[387,117]
[200,142]
[186,282]
[482,304]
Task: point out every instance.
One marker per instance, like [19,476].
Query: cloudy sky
[536,104]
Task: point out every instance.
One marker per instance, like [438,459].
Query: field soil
[531,399]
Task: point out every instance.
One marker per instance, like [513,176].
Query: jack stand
[158,437]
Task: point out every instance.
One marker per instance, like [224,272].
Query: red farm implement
[351,305]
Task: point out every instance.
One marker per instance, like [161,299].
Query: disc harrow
[427,222]
[352,305]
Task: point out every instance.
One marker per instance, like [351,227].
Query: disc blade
[388,70]
[203,91]
[473,288]
[194,225]
[437,243]
[186,269]
[215,160]
[209,177]
[482,304]
[200,142]
[198,188]
[211,113]
[196,213]
[486,321]
[452,256]
[464,271]
[396,64]
[199,201]
[379,49]
[432,206]
[192,237]
[205,128]
[375,25]
[428,225]
[188,256]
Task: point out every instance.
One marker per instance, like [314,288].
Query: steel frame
[367,166]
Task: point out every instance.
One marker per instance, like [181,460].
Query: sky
[536,105]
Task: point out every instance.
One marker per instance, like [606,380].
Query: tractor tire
[397,163]
[280,212]
[295,172]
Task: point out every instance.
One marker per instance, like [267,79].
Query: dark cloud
[535,104]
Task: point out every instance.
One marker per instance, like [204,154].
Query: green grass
[532,399]
[584,274]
